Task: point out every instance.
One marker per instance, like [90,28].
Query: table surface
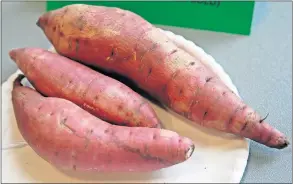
[260,66]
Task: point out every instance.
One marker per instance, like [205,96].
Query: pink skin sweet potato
[110,100]
[122,42]
[69,137]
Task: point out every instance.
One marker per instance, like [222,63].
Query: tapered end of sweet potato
[278,140]
[275,138]
[189,152]
[267,135]
[43,20]
[13,53]
[283,144]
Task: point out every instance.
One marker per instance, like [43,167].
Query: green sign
[221,16]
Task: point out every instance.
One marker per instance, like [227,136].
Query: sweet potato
[122,42]
[110,100]
[69,137]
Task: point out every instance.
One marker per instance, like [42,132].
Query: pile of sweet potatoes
[78,118]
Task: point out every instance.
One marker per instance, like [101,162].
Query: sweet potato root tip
[277,140]
[43,20]
[285,144]
[189,152]
[38,23]
[18,79]
[261,120]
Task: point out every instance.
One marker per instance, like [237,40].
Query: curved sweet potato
[69,137]
[122,42]
[110,100]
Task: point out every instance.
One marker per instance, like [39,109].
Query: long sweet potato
[122,42]
[110,100]
[69,137]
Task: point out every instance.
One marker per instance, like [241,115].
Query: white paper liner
[218,157]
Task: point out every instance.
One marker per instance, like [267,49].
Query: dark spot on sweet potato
[141,104]
[40,107]
[164,88]
[233,115]
[150,71]
[261,120]
[76,45]
[154,46]
[54,28]
[192,63]
[96,97]
[244,107]
[80,23]
[61,34]
[112,52]
[224,93]
[130,133]
[35,57]
[129,114]
[51,114]
[91,131]
[154,137]
[74,167]
[112,133]
[179,140]
[180,91]
[208,79]
[174,75]
[69,44]
[106,131]
[173,51]
[205,113]
[244,126]
[62,75]
[56,153]
[84,94]
[63,121]
[120,107]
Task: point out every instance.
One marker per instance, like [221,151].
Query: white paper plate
[218,157]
